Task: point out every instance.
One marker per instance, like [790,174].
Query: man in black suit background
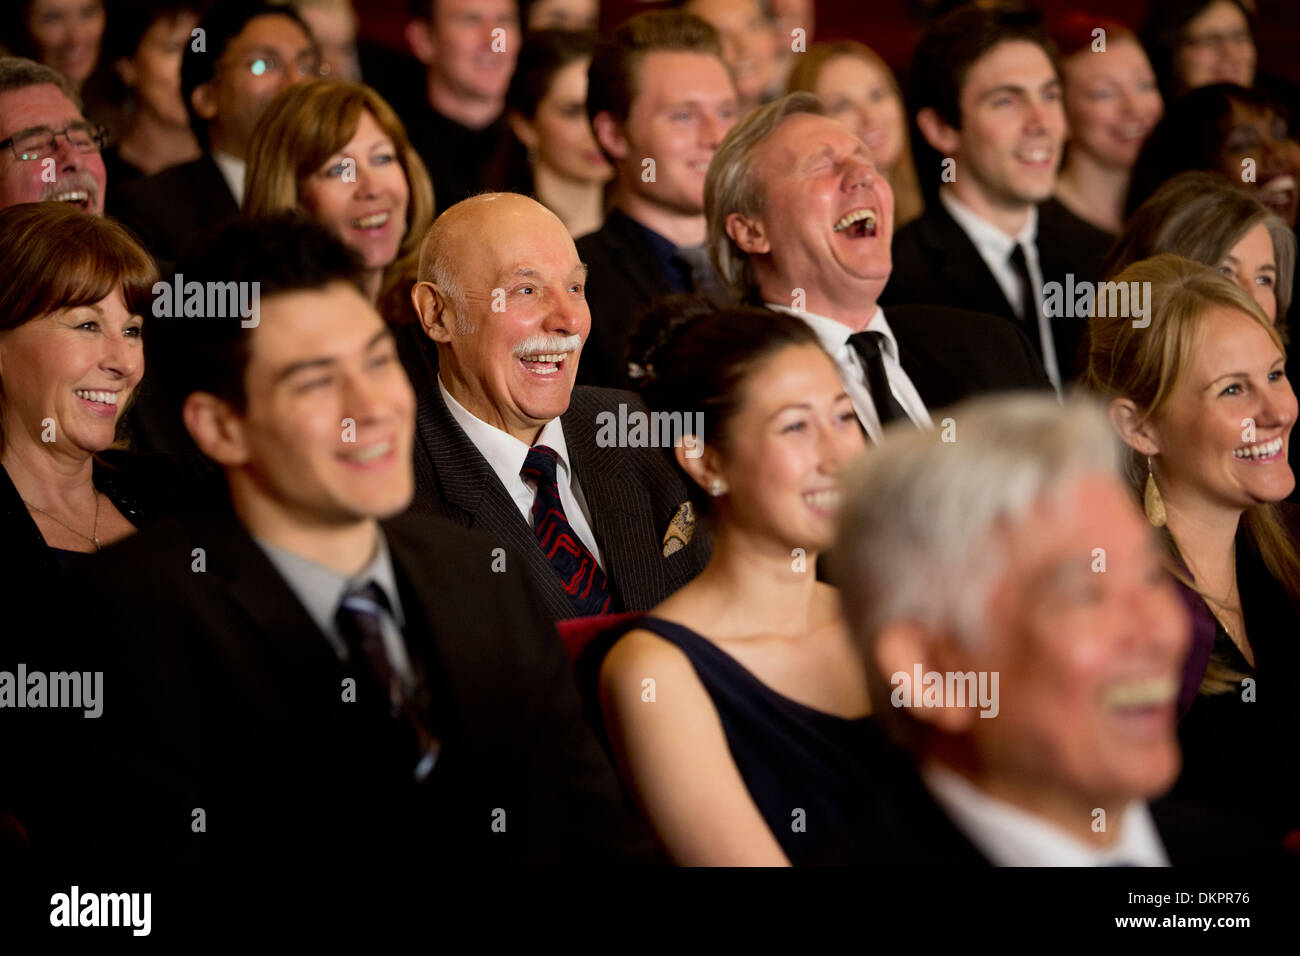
[454,106]
[506,443]
[1024,646]
[800,220]
[988,97]
[660,100]
[299,675]
[247,53]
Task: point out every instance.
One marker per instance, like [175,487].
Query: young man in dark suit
[660,100]
[454,107]
[298,674]
[249,52]
[988,99]
[799,221]
[505,441]
[1024,647]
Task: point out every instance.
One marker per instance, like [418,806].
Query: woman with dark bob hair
[769,709]
[73,289]
[1242,134]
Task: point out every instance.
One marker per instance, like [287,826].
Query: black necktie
[868,346]
[575,566]
[704,281]
[1028,301]
[360,621]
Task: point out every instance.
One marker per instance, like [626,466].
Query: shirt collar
[834,334]
[232,171]
[321,589]
[1009,836]
[983,233]
[503,451]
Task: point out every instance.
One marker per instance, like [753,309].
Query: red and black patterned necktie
[576,567]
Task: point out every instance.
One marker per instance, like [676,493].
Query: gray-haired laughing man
[50,153]
[1015,558]
[507,444]
[800,220]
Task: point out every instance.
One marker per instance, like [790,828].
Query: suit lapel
[621,510]
[283,625]
[960,264]
[470,487]
[630,249]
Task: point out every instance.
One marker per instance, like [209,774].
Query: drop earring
[1152,503]
[716,487]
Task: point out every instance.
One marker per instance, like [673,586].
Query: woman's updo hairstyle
[687,355]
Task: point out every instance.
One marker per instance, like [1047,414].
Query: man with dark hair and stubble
[457,120]
[299,674]
[246,53]
[660,100]
[987,95]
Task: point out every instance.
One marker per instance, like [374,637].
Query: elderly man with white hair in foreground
[1023,644]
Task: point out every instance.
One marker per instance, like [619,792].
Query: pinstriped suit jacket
[632,493]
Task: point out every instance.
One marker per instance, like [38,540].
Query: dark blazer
[623,276]
[632,494]
[936,263]
[903,825]
[141,487]
[171,209]
[953,354]
[221,693]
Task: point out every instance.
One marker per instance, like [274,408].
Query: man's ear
[747,233]
[937,132]
[216,429]
[899,648]
[419,37]
[524,131]
[126,71]
[700,461]
[435,311]
[610,135]
[204,101]
[1142,436]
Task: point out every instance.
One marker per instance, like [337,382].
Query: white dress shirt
[834,336]
[505,454]
[232,171]
[994,247]
[321,590]
[1009,836]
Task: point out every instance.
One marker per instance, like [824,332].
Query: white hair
[918,537]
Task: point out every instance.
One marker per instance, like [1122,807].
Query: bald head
[500,284]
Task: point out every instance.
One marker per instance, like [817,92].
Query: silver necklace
[93,537]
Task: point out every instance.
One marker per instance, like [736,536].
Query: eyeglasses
[1206,41]
[40,142]
[263,64]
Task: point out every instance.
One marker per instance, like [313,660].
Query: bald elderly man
[508,445]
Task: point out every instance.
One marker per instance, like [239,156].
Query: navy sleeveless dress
[809,772]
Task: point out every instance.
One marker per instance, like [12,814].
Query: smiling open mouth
[1260,451]
[547,363]
[366,454]
[375,220]
[74,197]
[92,395]
[857,224]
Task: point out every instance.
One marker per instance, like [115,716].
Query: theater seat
[577,632]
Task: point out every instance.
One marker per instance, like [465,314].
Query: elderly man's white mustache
[548,345]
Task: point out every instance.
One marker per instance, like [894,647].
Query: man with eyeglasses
[251,51]
[48,152]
